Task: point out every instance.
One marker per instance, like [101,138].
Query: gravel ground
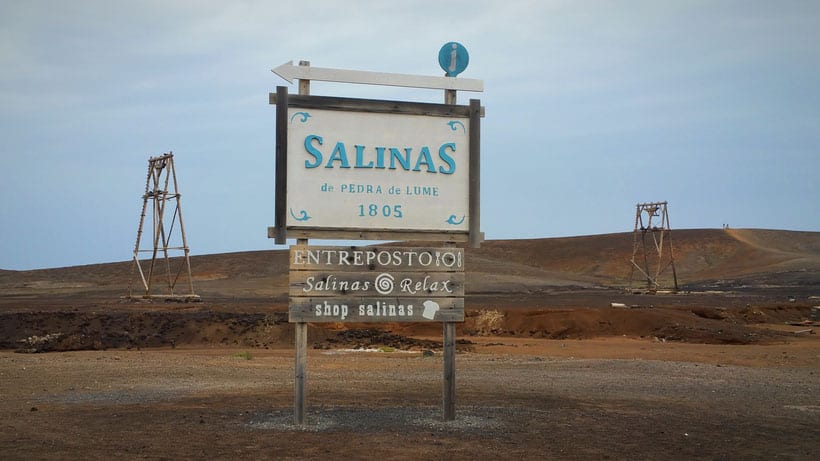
[227,403]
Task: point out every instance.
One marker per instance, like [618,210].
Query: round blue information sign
[453,58]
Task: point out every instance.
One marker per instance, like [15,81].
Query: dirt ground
[555,361]
[613,398]
[700,379]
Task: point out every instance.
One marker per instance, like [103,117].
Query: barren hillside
[732,282]
[703,257]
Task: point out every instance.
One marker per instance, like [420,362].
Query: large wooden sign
[376,284]
[359,169]
[376,170]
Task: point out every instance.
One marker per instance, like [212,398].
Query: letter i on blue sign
[453,58]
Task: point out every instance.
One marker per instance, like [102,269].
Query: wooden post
[449,96]
[304,85]
[300,368]
[300,374]
[449,376]
[281,164]
[449,388]
[475,173]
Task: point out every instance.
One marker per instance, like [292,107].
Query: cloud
[586,102]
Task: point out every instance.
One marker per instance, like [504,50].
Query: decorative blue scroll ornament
[303,216]
[304,116]
[454,220]
[453,124]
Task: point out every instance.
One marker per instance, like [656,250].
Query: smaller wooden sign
[376,284]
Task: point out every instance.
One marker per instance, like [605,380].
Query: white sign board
[365,170]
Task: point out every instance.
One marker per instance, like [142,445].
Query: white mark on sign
[384,284]
[430,309]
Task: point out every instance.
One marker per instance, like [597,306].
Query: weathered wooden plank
[376,259]
[475,174]
[370,234]
[360,310]
[280,231]
[405,284]
[449,373]
[300,374]
[375,106]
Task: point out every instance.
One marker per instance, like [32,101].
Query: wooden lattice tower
[169,261]
[652,254]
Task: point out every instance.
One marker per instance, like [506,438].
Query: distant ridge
[602,260]
[700,254]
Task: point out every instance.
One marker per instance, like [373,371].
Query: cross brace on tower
[652,247]
[160,274]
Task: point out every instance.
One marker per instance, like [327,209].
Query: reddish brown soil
[728,368]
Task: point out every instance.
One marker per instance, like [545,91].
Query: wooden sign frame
[281,231]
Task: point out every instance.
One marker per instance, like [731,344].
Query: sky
[591,108]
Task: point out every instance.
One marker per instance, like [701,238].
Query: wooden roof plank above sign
[375,105]
[369,234]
